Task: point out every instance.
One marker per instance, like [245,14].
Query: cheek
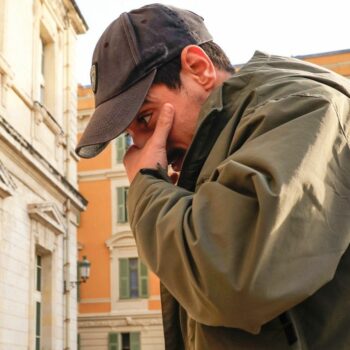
[140,138]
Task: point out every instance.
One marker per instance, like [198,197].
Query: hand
[154,150]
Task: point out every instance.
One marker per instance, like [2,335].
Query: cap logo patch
[93,77]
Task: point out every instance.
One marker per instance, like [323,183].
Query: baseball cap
[125,62]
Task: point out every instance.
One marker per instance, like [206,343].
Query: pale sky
[285,27]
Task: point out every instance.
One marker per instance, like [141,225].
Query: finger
[164,124]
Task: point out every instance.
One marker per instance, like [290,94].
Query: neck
[221,76]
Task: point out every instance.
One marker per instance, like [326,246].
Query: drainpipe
[66,245]
[66,276]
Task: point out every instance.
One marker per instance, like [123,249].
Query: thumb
[164,124]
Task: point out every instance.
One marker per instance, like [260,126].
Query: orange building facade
[337,61]
[120,304]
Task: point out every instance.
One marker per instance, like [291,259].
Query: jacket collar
[209,128]
[214,115]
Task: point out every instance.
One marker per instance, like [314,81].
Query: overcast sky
[286,27]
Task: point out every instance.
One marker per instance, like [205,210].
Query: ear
[196,64]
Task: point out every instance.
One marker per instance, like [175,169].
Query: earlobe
[196,63]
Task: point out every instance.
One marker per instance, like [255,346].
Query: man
[251,245]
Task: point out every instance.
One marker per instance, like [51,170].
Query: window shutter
[38,326]
[124,284]
[135,341]
[113,343]
[143,280]
[121,215]
[126,192]
[38,273]
[120,148]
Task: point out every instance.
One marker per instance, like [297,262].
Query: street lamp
[84,269]
[83,274]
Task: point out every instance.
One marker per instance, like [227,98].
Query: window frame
[122,245]
[125,279]
[122,216]
[115,340]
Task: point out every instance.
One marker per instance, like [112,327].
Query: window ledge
[5,67]
[48,215]
[45,116]
[7,185]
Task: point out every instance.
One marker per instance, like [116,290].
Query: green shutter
[126,191]
[135,341]
[120,148]
[124,283]
[121,218]
[38,319]
[113,343]
[143,280]
[38,326]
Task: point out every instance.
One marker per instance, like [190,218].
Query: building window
[38,273]
[43,64]
[38,297]
[42,302]
[37,326]
[122,143]
[124,341]
[133,279]
[122,212]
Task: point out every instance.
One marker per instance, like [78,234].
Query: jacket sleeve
[266,230]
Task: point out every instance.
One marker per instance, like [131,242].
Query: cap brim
[112,117]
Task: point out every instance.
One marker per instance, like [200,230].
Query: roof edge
[321,54]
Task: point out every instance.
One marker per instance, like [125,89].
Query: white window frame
[127,141]
[118,227]
[122,191]
[141,272]
[118,345]
[122,245]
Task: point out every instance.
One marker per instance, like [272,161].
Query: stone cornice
[79,23]
[48,215]
[121,239]
[26,151]
[150,318]
[95,175]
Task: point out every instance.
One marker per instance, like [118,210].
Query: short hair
[169,73]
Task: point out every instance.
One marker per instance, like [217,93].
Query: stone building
[39,201]
[120,304]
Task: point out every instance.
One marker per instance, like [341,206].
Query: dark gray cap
[125,62]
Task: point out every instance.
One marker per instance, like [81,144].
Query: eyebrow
[146,101]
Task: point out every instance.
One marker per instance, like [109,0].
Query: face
[186,101]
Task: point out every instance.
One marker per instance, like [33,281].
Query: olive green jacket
[251,247]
